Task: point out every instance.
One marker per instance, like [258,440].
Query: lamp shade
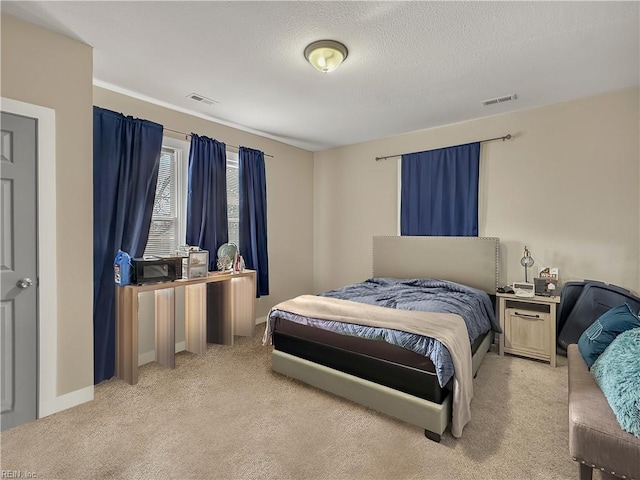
[325,55]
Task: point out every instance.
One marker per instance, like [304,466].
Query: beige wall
[566,185]
[289,192]
[43,68]
[47,69]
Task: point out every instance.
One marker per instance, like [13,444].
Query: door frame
[47,307]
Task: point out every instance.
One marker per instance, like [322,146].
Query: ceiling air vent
[201,98]
[493,101]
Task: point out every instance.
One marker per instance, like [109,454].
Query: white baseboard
[65,401]
[148,357]
[260,320]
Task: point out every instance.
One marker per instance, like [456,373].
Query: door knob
[24,283]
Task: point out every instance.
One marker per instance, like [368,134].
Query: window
[167,230]
[168,221]
[233,198]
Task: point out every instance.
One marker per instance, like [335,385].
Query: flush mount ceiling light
[325,55]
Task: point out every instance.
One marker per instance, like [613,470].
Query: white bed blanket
[448,328]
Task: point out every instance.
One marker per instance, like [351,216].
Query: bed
[384,376]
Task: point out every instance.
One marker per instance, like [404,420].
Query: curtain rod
[503,138]
[187,135]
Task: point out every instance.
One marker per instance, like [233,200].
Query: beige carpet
[228,416]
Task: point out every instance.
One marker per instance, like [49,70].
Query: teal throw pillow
[604,330]
[617,372]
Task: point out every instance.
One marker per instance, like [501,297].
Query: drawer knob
[526,315]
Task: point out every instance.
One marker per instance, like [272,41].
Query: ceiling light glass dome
[325,55]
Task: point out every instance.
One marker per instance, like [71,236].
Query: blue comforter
[422,294]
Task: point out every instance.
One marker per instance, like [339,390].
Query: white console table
[231,301]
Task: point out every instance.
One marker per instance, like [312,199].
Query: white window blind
[169,208]
[233,198]
[164,232]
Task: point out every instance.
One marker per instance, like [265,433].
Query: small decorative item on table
[547,281]
[198,264]
[122,268]
[239,266]
[227,257]
[183,251]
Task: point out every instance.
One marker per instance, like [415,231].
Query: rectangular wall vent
[201,98]
[493,101]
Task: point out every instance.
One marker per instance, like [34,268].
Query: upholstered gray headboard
[471,261]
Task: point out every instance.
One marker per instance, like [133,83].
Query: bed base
[432,417]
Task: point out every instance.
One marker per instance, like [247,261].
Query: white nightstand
[528,326]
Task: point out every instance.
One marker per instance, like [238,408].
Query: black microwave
[156,269]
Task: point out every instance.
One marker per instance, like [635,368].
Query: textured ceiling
[411,65]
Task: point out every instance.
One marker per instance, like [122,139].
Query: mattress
[426,295]
[373,360]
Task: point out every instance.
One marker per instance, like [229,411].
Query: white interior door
[18,269]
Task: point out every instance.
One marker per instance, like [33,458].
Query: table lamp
[526,261]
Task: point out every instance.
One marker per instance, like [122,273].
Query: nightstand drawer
[527,332]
